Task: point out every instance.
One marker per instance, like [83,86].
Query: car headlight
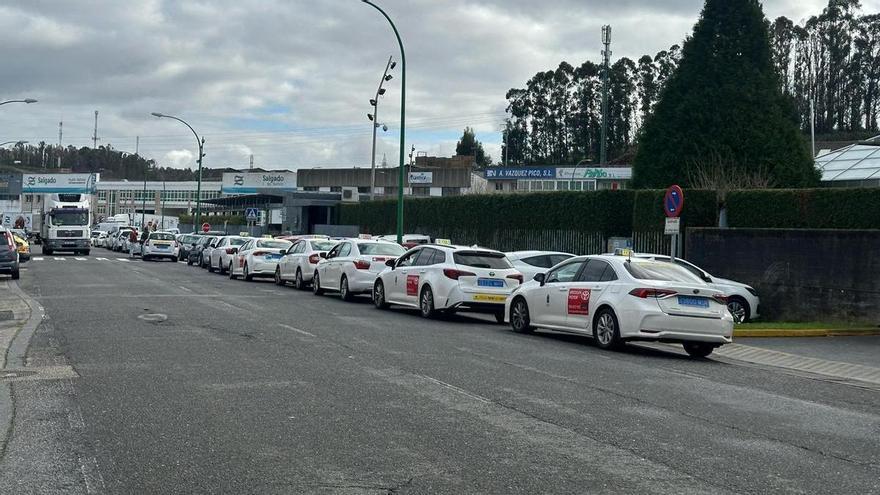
[752,291]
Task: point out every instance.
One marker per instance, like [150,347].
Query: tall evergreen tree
[724,100]
[468,145]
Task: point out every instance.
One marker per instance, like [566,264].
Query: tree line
[832,59]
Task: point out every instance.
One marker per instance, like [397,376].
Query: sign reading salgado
[251,182]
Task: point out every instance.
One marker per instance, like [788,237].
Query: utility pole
[606,62]
[813,125]
[374,119]
[252,162]
[60,151]
[137,145]
[95,135]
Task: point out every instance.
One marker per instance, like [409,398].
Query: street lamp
[402,122]
[11,142]
[201,143]
[26,100]
[373,118]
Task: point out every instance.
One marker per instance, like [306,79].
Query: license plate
[162,246]
[490,298]
[697,302]
[273,257]
[490,282]
[68,244]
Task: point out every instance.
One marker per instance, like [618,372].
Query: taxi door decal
[412,285]
[579,301]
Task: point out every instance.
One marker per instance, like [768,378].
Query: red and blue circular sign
[673,202]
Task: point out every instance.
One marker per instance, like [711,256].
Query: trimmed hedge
[700,209]
[608,212]
[805,208]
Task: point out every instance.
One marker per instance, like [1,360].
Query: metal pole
[813,126]
[606,55]
[163,202]
[144,199]
[375,126]
[201,143]
[400,168]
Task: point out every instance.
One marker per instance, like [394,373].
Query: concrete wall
[800,275]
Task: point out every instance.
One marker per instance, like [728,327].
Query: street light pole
[26,100]
[402,122]
[201,143]
[11,142]
[375,120]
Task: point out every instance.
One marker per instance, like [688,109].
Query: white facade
[115,197]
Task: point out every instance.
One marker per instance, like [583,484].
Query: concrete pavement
[189,382]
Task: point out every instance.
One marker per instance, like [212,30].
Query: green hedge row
[805,208]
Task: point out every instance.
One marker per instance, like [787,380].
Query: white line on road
[59,259]
[102,259]
[37,259]
[123,259]
[80,259]
[297,330]
[184,288]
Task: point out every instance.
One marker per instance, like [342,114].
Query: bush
[805,209]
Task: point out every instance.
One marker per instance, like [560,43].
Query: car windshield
[322,245]
[383,248]
[660,270]
[481,259]
[161,236]
[75,217]
[238,241]
[273,244]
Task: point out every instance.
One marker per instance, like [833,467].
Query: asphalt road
[190,382]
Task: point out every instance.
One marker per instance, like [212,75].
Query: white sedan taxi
[437,278]
[301,260]
[161,245]
[351,266]
[616,299]
[257,258]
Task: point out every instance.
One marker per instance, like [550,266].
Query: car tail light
[261,253]
[230,250]
[516,276]
[455,274]
[721,298]
[9,241]
[646,293]
[362,265]
[314,258]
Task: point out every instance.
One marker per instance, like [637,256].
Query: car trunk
[689,300]
[484,273]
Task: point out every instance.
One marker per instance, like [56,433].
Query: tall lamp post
[402,122]
[374,118]
[26,100]
[201,143]
[11,142]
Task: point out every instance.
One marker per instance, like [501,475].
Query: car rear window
[381,248]
[323,245]
[659,270]
[4,241]
[238,241]
[273,244]
[479,259]
[162,237]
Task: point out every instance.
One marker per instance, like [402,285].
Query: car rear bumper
[361,281]
[263,268]
[478,302]
[662,327]
[8,266]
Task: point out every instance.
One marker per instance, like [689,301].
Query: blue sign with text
[494,173]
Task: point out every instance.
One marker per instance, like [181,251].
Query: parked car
[161,245]
[22,247]
[194,254]
[301,260]
[223,251]
[185,242]
[435,278]
[207,249]
[742,300]
[531,263]
[617,299]
[95,235]
[258,258]
[351,266]
[9,260]
[408,240]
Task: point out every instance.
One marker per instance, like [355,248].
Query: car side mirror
[707,279]
[323,255]
[282,252]
[390,263]
[540,278]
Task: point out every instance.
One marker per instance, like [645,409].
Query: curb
[812,332]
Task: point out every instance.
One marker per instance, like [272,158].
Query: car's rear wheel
[16,274]
[379,295]
[221,268]
[520,320]
[344,291]
[605,329]
[316,285]
[246,273]
[426,303]
[232,275]
[298,281]
[189,262]
[210,267]
[739,309]
[698,349]
[278,279]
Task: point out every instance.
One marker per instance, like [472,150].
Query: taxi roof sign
[365,236]
[443,242]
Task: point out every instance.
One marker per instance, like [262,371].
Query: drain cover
[6,315]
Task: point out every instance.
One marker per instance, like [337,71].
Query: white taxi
[160,245]
[257,258]
[617,299]
[351,266]
[301,260]
[437,278]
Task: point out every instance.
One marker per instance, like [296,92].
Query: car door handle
[421,271]
[562,289]
[597,289]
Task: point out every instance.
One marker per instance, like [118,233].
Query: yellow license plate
[489,298]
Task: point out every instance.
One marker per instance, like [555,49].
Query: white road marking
[123,259]
[37,259]
[297,330]
[59,259]
[184,288]
[80,259]
[102,259]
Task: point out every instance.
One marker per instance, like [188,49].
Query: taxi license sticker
[579,301]
[489,298]
[412,285]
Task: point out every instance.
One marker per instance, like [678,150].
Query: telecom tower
[606,62]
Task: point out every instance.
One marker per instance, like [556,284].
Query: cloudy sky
[289,80]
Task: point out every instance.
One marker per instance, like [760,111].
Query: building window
[537,185]
[562,185]
[450,191]
[421,191]
[499,186]
[364,190]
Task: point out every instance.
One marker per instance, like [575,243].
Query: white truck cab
[65,223]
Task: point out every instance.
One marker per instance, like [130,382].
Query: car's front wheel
[739,309]
[520,319]
[298,281]
[278,279]
[232,275]
[698,349]
[344,290]
[426,303]
[246,273]
[605,329]
[316,284]
[379,295]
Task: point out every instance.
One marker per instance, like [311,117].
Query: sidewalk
[864,350]
[14,313]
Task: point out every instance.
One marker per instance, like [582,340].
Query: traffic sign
[673,226]
[673,202]
[206,227]
[252,214]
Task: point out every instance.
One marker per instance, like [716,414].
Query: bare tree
[723,174]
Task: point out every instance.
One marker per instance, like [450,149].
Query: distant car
[194,253]
[435,278]
[223,252]
[531,263]
[617,299]
[258,258]
[301,260]
[95,235]
[408,240]
[22,247]
[9,260]
[101,239]
[185,242]
[351,266]
[206,251]
[161,245]
[742,300]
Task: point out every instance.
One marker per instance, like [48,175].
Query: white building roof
[853,162]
